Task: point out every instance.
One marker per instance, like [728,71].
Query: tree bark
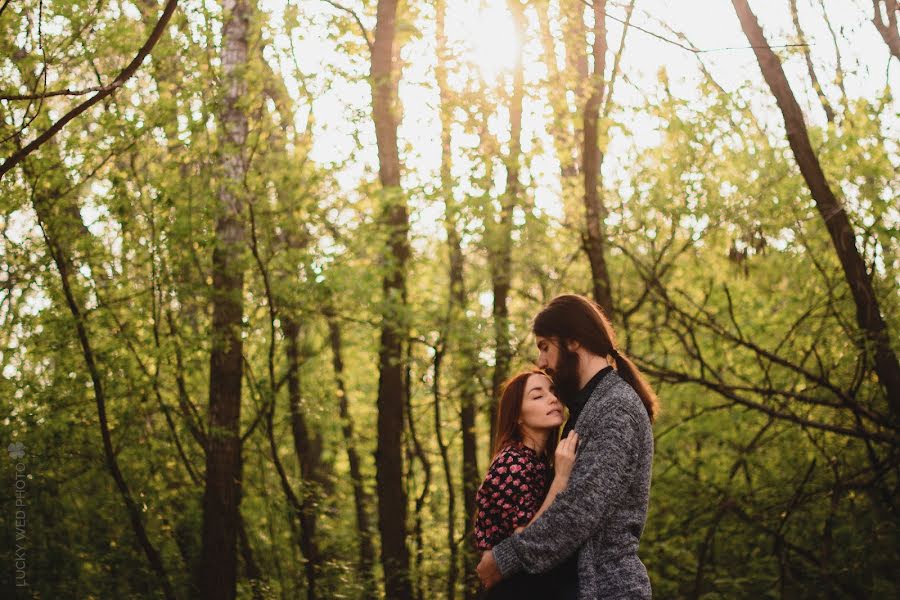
[868,312]
[221,498]
[594,211]
[388,456]
[360,497]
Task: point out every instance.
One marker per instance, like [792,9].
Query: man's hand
[487,570]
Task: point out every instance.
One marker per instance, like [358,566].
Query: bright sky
[483,33]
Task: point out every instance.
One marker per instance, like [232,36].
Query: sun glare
[492,42]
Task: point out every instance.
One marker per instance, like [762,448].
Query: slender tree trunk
[868,312]
[501,248]
[595,237]
[61,224]
[465,350]
[453,567]
[414,449]
[389,456]
[839,68]
[308,448]
[251,568]
[360,497]
[221,499]
[558,82]
[885,21]
[801,39]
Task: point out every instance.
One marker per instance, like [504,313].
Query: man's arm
[603,468]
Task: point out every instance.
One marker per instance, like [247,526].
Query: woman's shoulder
[515,454]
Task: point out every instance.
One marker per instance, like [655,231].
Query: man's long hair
[571,317]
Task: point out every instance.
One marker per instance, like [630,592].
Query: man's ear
[572,345]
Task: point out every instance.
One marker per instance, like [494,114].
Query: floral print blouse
[512,491]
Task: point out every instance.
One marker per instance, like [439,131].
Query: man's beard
[565,374]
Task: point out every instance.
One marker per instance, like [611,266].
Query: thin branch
[65,92]
[120,80]
[356,18]
[662,38]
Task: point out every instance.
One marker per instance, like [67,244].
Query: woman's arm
[495,512]
[563,460]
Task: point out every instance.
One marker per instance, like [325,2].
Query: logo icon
[16,450]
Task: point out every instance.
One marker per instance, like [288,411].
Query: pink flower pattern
[505,503]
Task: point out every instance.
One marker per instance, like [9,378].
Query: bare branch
[120,80]
[346,9]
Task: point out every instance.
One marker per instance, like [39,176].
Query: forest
[266,266]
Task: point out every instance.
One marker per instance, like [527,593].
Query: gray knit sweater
[601,514]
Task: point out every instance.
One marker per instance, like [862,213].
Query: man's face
[560,363]
[548,354]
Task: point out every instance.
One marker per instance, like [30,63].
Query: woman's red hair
[508,432]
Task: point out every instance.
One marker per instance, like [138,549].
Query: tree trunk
[251,568]
[414,450]
[452,567]
[501,248]
[595,237]
[388,456]
[868,312]
[221,499]
[360,497]
[558,83]
[308,448]
[466,353]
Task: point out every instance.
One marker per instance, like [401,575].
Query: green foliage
[729,294]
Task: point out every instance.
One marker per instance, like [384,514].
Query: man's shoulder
[614,394]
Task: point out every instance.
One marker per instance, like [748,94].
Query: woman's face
[541,409]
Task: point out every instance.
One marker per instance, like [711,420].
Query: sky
[482,33]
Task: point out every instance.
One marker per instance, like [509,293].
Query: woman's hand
[565,456]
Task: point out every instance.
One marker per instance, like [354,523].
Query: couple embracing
[569,528]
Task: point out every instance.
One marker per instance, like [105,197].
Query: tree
[389,461]
[222,493]
[868,313]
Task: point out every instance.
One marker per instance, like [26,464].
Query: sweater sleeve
[600,477]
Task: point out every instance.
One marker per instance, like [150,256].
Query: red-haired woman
[521,482]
